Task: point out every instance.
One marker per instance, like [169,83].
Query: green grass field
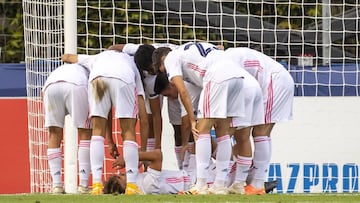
[278,198]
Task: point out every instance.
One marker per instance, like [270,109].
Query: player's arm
[144,123]
[185,99]
[155,107]
[116,47]
[185,134]
[69,58]
[111,144]
[154,157]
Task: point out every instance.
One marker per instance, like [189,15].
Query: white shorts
[174,111]
[149,181]
[172,182]
[64,98]
[222,100]
[280,96]
[119,94]
[254,109]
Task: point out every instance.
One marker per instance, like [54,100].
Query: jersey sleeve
[173,64]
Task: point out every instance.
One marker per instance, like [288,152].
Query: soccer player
[66,92]
[153,181]
[242,127]
[151,125]
[278,91]
[114,81]
[178,116]
[204,65]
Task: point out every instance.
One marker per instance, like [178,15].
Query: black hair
[161,82]
[157,57]
[143,59]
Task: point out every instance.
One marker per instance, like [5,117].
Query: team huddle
[236,93]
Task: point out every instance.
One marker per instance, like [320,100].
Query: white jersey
[197,63]
[72,73]
[163,182]
[188,61]
[257,64]
[113,64]
[275,81]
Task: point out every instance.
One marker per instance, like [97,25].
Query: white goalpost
[316,41]
[70,132]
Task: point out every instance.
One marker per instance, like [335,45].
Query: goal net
[317,41]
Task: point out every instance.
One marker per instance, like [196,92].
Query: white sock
[203,154]
[84,162]
[223,156]
[97,152]
[131,157]
[54,156]
[242,168]
[150,145]
[178,156]
[261,160]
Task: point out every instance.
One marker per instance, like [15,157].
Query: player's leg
[55,111]
[261,160]
[227,102]
[202,156]
[130,153]
[242,153]
[100,105]
[84,159]
[151,140]
[188,144]
[178,144]
[97,152]
[223,155]
[125,101]
[54,154]
[174,114]
[79,111]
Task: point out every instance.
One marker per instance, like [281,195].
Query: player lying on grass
[153,181]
